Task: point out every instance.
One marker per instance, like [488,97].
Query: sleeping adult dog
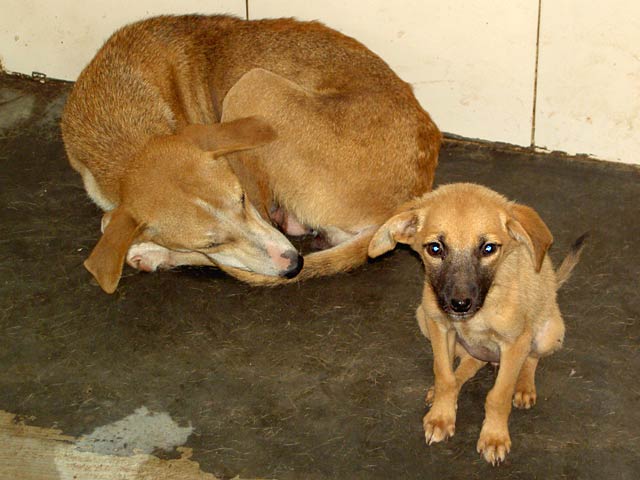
[196,134]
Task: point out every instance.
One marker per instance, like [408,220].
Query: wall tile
[59,38]
[589,79]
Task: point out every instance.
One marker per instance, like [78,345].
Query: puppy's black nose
[461,306]
[295,265]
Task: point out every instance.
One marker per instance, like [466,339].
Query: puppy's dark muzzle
[461,305]
[461,296]
[459,309]
[295,266]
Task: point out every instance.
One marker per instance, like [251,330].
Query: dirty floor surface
[315,381]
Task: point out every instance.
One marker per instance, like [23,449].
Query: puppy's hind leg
[525,395]
[547,340]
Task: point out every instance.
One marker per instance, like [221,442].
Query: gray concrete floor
[314,381]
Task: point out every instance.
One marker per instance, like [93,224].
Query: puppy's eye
[243,199]
[488,249]
[434,249]
[211,245]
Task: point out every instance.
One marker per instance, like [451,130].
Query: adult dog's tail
[341,258]
[571,260]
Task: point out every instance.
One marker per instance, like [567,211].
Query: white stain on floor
[141,432]
[36,453]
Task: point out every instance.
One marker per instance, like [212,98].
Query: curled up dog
[489,296]
[205,138]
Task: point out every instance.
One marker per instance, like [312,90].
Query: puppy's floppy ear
[526,226]
[401,228]
[107,258]
[227,137]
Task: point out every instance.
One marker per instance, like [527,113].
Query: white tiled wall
[589,78]
[472,63]
[59,37]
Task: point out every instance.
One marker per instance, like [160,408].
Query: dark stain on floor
[320,380]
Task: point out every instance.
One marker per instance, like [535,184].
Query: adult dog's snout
[296,262]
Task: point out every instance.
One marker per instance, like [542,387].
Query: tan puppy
[317,135]
[489,296]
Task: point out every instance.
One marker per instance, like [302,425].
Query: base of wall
[449,137]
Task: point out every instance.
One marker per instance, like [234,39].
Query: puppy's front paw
[494,444]
[149,257]
[525,396]
[439,424]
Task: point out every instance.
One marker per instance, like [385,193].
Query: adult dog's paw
[149,257]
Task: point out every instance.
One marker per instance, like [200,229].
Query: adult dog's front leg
[494,442]
[149,257]
[440,422]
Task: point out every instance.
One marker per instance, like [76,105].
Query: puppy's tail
[571,260]
[341,258]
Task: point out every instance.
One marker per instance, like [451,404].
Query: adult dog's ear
[227,137]
[401,228]
[526,226]
[107,258]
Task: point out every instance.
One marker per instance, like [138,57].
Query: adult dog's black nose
[461,306]
[295,265]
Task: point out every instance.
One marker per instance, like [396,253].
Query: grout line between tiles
[535,78]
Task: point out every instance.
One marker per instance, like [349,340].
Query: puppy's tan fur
[313,124]
[515,323]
